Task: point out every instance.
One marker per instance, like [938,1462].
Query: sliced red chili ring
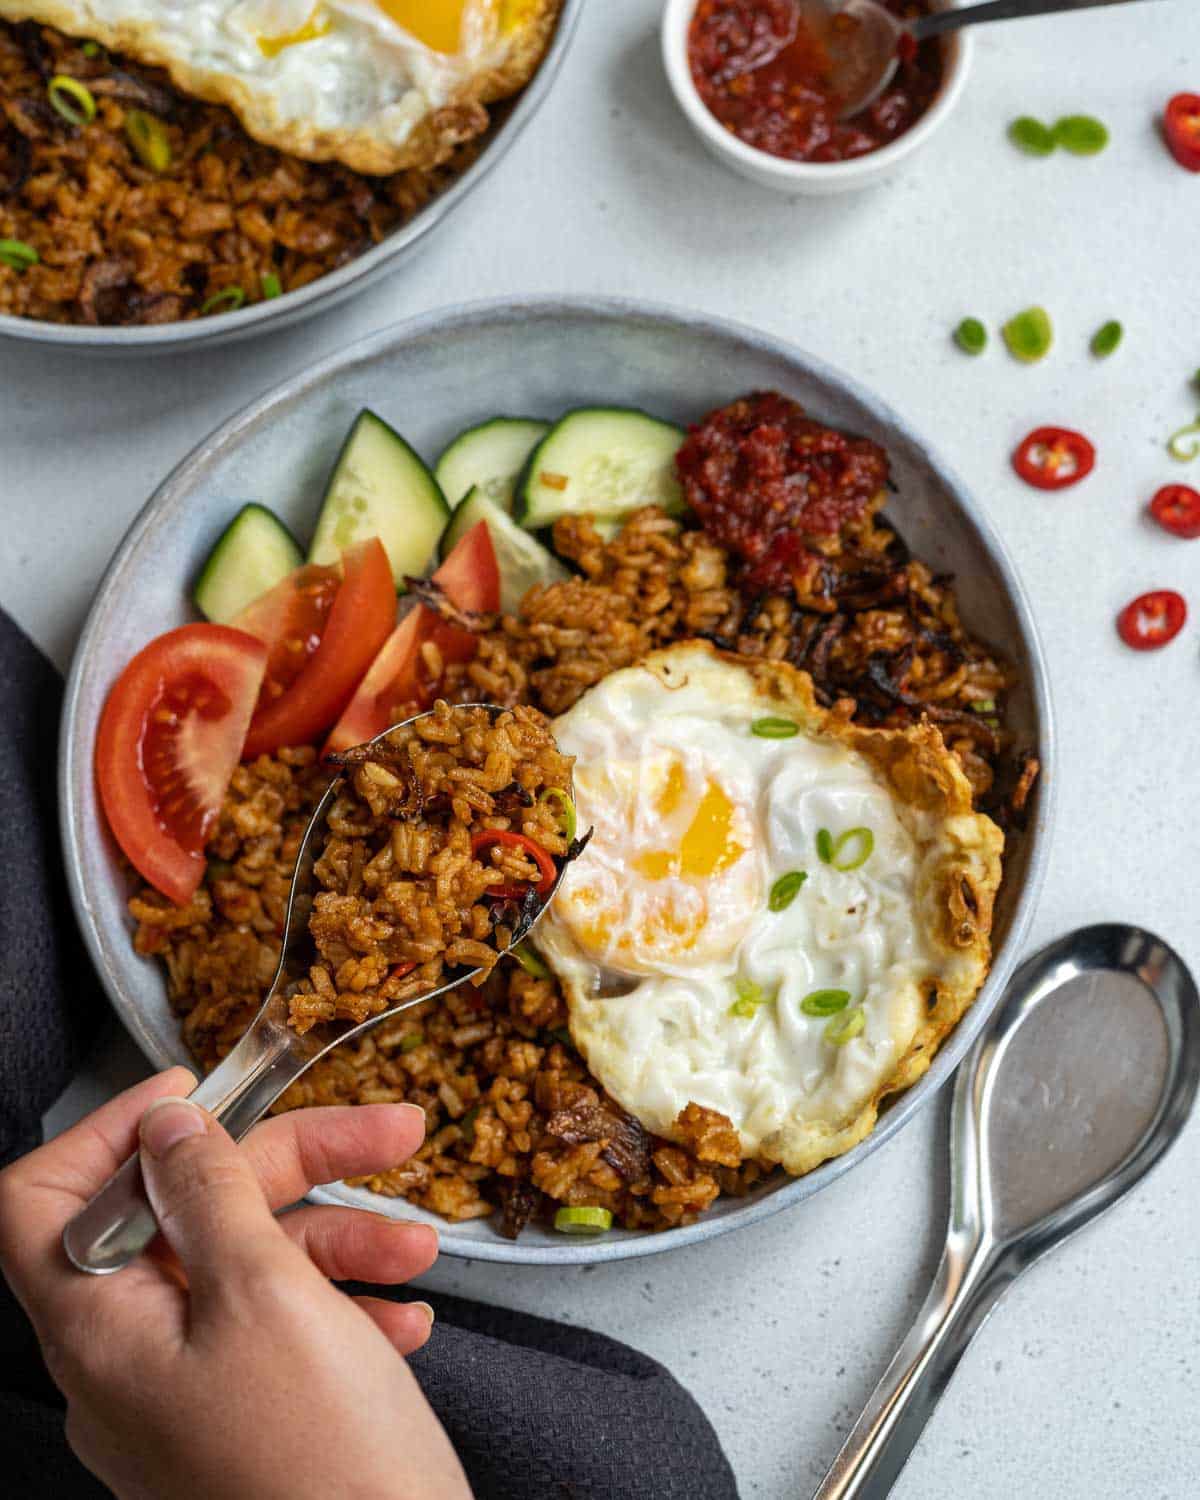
[1181,126]
[1051,458]
[401,971]
[490,837]
[1151,620]
[1176,508]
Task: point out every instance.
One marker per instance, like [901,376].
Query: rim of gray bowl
[75,760]
[327,291]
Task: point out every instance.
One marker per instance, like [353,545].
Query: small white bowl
[813,178]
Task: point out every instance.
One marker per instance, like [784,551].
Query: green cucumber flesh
[601,461]
[489,457]
[254,553]
[520,557]
[380,487]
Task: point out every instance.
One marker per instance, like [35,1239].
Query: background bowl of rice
[432,376]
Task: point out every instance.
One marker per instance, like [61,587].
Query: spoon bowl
[117,1224]
[1082,1081]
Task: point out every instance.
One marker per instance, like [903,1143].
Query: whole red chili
[1176,508]
[1151,620]
[1181,126]
[546,868]
[1051,458]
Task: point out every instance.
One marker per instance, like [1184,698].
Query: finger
[296,1151]
[350,1244]
[406,1325]
[42,1191]
[208,1203]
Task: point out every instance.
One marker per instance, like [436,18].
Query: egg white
[659,1024]
[328,79]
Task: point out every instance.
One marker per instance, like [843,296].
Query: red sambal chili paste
[775,487]
[764,74]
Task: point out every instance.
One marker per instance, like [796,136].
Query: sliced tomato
[359,621]
[398,683]
[1181,126]
[291,619]
[170,736]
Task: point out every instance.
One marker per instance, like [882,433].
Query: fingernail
[167,1122]
[426,1309]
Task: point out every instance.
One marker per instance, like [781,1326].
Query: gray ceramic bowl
[509,120]
[431,377]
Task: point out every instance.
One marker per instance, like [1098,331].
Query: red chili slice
[1152,620]
[1176,508]
[1181,126]
[1051,458]
[401,971]
[492,836]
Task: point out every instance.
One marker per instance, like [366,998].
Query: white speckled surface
[1083,1384]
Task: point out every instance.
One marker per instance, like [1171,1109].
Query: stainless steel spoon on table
[863,57]
[1082,1080]
[117,1225]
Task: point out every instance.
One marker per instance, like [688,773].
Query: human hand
[223,1364]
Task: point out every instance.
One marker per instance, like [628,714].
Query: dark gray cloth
[536,1410]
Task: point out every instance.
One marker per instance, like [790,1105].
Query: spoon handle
[118,1223]
[968,1283]
[943,21]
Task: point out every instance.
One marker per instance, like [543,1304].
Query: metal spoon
[864,56]
[1078,1086]
[117,1224]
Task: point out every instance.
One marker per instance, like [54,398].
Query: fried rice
[517,1127]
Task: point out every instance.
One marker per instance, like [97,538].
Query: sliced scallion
[983,706]
[570,819]
[411,1041]
[825,846]
[1106,339]
[830,850]
[73,100]
[17,255]
[147,135]
[228,300]
[1184,445]
[772,728]
[786,889]
[1029,335]
[272,287]
[971,336]
[529,959]
[91,49]
[749,997]
[583,1220]
[1082,135]
[825,1002]
[844,1028]
[1031,136]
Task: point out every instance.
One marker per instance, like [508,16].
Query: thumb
[206,1198]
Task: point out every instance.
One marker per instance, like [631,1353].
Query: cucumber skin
[213,560]
[437,494]
[474,508]
[521,493]
[478,431]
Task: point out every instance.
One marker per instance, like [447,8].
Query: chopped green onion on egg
[772,728]
[844,1028]
[786,889]
[749,997]
[830,850]
[825,1002]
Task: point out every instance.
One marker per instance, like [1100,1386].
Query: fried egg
[378,84]
[774,920]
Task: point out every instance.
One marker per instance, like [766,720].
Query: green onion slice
[775,729]
[1106,338]
[1029,335]
[786,889]
[825,846]
[825,1002]
[971,336]
[227,301]
[749,997]
[73,100]
[983,706]
[1184,445]
[411,1041]
[91,49]
[271,286]
[147,135]
[17,255]
[530,960]
[862,842]
[1030,135]
[1083,135]
[570,819]
[583,1220]
[844,1028]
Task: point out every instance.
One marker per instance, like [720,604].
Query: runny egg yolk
[437,23]
[707,846]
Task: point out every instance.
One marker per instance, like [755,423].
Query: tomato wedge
[1152,620]
[291,619]
[1181,126]
[359,620]
[1176,508]
[170,736]
[1051,458]
[398,682]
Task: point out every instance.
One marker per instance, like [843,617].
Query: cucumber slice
[379,487]
[252,555]
[489,458]
[603,461]
[521,558]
